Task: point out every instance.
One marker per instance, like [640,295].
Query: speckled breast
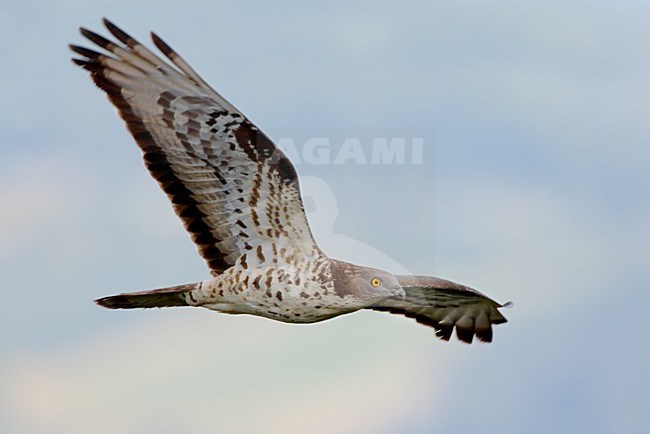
[290,293]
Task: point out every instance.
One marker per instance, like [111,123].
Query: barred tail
[163,297]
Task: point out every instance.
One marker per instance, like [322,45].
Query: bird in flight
[238,196]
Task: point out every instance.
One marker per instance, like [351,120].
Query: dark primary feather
[446,305]
[230,185]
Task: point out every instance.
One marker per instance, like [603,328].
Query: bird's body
[239,198]
[272,288]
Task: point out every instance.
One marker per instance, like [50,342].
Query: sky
[526,137]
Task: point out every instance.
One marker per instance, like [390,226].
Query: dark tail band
[163,297]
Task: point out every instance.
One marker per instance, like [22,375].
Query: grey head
[364,286]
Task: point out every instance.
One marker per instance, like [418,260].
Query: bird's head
[364,284]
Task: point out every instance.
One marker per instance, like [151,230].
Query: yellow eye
[375,282]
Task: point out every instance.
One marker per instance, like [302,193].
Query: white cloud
[193,373]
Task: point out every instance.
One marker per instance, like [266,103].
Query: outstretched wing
[229,184]
[444,305]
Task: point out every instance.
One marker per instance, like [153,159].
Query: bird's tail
[163,297]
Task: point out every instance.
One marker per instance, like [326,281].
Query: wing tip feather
[465,334]
[163,46]
[445,330]
[80,62]
[119,33]
[85,52]
[485,335]
[96,38]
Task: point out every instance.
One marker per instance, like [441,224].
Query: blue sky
[534,187]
